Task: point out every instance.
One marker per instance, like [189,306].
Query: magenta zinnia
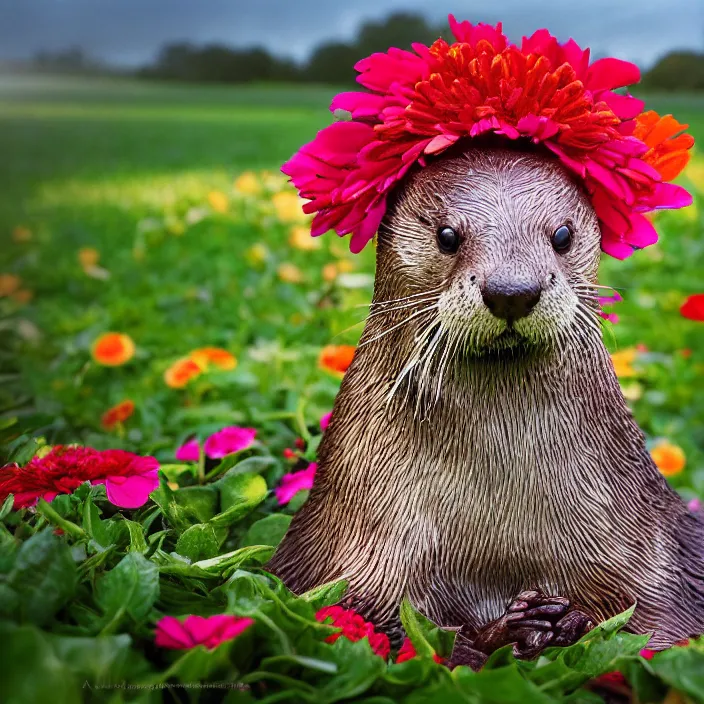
[128,478]
[194,630]
[422,102]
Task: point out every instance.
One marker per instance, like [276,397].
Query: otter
[481,459]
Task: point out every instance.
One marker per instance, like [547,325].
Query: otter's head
[491,250]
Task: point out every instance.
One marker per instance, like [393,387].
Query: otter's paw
[532,622]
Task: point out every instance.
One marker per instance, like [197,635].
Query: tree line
[332,62]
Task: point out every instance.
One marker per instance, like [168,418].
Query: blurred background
[140,194]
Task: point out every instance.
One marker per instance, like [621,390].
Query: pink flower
[609,301]
[128,478]
[228,440]
[325,420]
[420,103]
[189,451]
[694,505]
[293,482]
[171,632]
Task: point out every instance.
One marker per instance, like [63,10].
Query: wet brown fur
[498,461]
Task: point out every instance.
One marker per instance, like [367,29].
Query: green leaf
[94,527]
[682,668]
[199,502]
[130,588]
[326,594]
[267,531]
[417,626]
[505,685]
[230,465]
[232,560]
[239,494]
[6,507]
[41,581]
[198,542]
[357,670]
[31,672]
[137,541]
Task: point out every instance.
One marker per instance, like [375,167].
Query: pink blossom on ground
[210,632]
[189,451]
[694,505]
[325,420]
[293,482]
[128,478]
[228,440]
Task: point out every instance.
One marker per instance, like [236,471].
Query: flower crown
[421,103]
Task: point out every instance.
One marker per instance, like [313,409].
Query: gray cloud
[129,32]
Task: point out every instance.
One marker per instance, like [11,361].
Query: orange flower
[9,283]
[221,358]
[622,362]
[181,372]
[218,201]
[669,459]
[23,295]
[113,349]
[88,257]
[330,272]
[669,144]
[119,413]
[336,358]
[300,238]
[290,273]
[21,234]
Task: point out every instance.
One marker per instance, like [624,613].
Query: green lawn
[126,168]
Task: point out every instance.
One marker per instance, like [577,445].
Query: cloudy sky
[129,32]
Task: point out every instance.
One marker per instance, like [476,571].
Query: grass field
[141,176]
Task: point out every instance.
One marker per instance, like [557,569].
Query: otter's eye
[448,240]
[562,239]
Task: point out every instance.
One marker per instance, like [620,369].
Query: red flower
[408,652]
[128,478]
[354,627]
[693,307]
[117,414]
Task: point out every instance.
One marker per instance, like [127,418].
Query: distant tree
[332,63]
[400,30]
[678,70]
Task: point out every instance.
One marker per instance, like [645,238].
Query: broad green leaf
[94,527]
[6,507]
[267,531]
[416,627]
[200,502]
[239,494]
[505,685]
[357,670]
[325,594]
[31,671]
[198,542]
[137,541]
[41,581]
[682,668]
[257,554]
[232,464]
[130,588]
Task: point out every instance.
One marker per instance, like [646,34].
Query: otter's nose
[510,303]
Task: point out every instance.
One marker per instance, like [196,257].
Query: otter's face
[502,247]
